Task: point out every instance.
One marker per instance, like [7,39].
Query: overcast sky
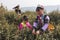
[28,3]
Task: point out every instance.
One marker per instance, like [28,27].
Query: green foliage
[9,26]
[55,17]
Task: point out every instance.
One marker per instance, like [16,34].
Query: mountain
[47,8]
[28,8]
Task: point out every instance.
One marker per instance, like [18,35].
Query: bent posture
[41,22]
[25,23]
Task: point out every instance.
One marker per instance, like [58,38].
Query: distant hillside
[47,8]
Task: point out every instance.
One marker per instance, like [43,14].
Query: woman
[41,22]
[25,23]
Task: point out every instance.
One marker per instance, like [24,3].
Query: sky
[28,3]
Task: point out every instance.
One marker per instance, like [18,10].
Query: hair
[38,8]
[25,18]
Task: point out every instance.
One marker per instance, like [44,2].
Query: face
[40,12]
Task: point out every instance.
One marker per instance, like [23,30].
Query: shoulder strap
[44,17]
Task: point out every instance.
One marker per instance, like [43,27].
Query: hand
[33,31]
[38,32]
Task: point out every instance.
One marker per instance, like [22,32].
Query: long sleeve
[35,23]
[20,26]
[46,23]
[29,25]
